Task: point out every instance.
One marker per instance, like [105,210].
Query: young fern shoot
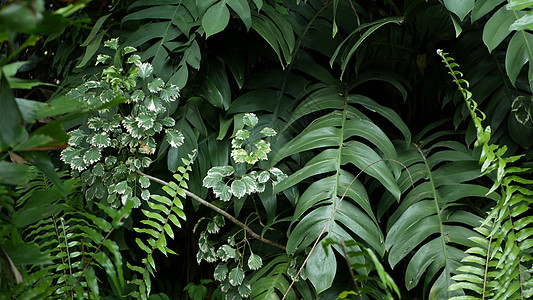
[500,266]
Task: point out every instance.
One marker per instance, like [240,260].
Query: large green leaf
[340,138]
[349,51]
[497,28]
[12,173]
[215,19]
[277,31]
[519,52]
[481,8]
[428,221]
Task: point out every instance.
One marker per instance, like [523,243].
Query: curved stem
[220,211]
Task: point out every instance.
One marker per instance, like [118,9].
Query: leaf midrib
[437,208]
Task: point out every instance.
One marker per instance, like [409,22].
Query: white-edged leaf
[236,276]
[170,93]
[263,177]
[224,171]
[255,262]
[175,138]
[242,134]
[102,58]
[245,289]
[76,137]
[221,271]
[211,180]
[250,119]
[92,155]
[168,122]
[128,49]
[222,191]
[135,59]
[226,252]
[145,194]
[238,188]
[121,187]
[112,43]
[101,140]
[268,131]
[145,121]
[145,70]
[156,85]
[145,182]
[137,96]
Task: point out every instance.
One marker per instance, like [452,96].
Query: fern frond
[500,266]
[64,248]
[163,214]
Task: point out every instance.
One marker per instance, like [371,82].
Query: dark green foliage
[307,179]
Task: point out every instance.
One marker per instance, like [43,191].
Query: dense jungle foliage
[266,149]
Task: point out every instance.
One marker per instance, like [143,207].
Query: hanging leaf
[11,119]
[236,276]
[460,8]
[215,19]
[221,271]
[255,262]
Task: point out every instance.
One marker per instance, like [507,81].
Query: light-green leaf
[482,8]
[459,7]
[215,19]
[518,53]
[250,119]
[497,28]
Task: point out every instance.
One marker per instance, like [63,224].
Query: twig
[351,271]
[356,14]
[218,210]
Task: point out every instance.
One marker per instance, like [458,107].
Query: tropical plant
[264,149]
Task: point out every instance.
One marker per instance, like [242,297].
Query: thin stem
[220,211]
[486,269]
[351,271]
